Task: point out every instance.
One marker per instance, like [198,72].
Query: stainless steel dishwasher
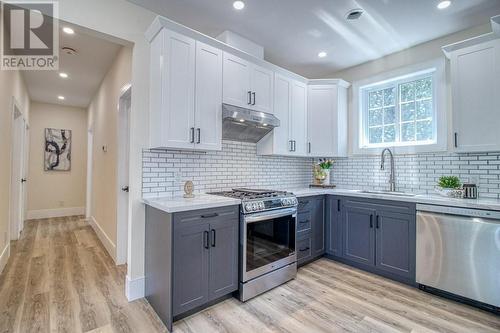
[458,251]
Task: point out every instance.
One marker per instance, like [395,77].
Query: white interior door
[123,177]
[18,180]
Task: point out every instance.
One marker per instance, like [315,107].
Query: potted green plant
[322,171]
[449,186]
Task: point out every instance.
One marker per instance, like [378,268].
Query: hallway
[59,278]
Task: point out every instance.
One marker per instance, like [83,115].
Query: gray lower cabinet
[377,235]
[310,228]
[333,226]
[191,259]
[359,238]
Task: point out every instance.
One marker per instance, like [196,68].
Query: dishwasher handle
[471,212]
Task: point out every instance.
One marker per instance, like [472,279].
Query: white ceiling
[86,70]
[294,31]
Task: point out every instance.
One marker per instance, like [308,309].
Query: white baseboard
[135,288]
[4,257]
[105,240]
[57,212]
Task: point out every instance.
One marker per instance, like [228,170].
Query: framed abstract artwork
[57,149]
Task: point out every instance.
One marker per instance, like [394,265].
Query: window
[399,112]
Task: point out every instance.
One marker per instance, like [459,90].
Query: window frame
[398,68]
[395,82]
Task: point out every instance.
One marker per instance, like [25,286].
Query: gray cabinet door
[359,235]
[223,257]
[191,260]
[395,239]
[334,226]
[318,226]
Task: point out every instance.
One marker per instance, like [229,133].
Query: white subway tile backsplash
[237,165]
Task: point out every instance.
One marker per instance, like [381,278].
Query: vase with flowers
[322,171]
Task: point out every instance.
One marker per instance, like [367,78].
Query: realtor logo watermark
[29,35]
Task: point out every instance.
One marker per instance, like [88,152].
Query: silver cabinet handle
[249,102]
[456,140]
[198,130]
[253,94]
[309,147]
[294,145]
[192,134]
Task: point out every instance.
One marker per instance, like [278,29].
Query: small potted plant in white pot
[322,171]
[449,186]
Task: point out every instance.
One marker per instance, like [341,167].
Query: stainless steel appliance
[458,251]
[267,239]
[240,124]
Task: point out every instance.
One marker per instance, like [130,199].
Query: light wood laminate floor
[60,279]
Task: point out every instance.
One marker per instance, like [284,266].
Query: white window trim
[440,109]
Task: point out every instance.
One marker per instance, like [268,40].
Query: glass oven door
[269,242]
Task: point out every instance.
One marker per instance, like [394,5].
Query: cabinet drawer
[304,246]
[304,205]
[304,222]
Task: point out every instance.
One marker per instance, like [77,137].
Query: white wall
[103,120]
[11,86]
[129,22]
[57,193]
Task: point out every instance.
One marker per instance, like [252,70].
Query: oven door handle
[267,216]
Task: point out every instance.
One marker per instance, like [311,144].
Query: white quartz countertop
[204,201]
[180,204]
[480,203]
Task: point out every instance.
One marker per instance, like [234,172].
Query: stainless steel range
[267,239]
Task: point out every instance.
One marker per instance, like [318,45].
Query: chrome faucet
[392,180]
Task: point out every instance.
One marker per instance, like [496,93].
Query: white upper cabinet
[262,81]
[475,84]
[208,97]
[327,119]
[236,81]
[298,118]
[290,107]
[247,85]
[186,93]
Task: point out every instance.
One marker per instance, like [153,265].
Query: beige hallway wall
[63,191]
[11,86]
[103,121]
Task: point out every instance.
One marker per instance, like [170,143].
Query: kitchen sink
[398,194]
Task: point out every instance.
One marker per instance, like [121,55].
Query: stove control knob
[254,206]
[285,202]
[248,207]
[261,205]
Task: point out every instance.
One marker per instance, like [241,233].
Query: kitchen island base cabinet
[191,259]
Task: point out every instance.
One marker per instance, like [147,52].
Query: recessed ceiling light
[354,14]
[322,54]
[444,4]
[60,98]
[63,75]
[68,30]
[238,5]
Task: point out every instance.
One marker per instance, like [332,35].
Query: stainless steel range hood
[240,124]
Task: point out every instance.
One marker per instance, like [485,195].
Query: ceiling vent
[354,14]
[69,50]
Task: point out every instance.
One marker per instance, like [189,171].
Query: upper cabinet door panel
[282,99]
[298,118]
[475,78]
[262,89]
[322,108]
[178,93]
[208,101]
[236,81]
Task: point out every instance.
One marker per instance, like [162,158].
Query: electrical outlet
[474,180]
[177,176]
[61,203]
